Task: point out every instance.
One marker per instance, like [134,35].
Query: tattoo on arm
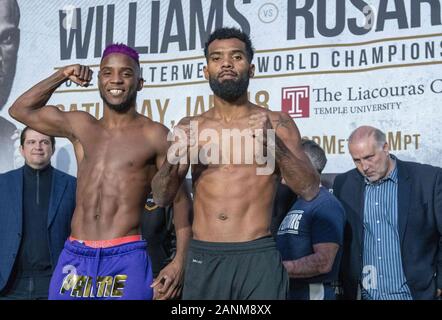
[297,171]
[165,184]
[310,266]
[281,122]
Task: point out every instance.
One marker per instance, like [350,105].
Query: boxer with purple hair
[117,155]
[123,49]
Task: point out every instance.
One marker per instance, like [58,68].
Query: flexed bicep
[31,107]
[52,121]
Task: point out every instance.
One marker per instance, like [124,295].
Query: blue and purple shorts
[117,269]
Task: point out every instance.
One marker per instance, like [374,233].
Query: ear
[22,152]
[386,147]
[140,84]
[206,73]
[251,70]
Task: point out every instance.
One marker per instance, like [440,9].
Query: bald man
[9,41]
[394,223]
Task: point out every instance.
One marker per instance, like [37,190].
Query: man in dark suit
[36,206]
[394,223]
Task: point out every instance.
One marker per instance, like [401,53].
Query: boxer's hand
[169,282]
[259,123]
[183,137]
[80,74]
[185,127]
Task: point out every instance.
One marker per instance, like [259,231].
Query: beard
[123,106]
[230,90]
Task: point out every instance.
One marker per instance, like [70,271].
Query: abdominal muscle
[110,205]
[232,205]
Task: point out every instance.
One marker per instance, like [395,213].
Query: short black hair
[315,153]
[23,137]
[229,33]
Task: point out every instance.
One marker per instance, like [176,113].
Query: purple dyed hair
[123,49]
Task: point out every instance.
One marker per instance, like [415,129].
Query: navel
[222,216]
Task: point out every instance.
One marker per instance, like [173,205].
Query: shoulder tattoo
[281,122]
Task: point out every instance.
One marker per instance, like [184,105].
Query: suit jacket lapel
[404,193]
[58,187]
[17,196]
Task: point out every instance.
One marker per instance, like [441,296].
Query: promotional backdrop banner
[332,65]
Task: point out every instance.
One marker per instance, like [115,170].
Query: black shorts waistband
[261,244]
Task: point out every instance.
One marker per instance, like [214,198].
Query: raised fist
[259,123]
[80,74]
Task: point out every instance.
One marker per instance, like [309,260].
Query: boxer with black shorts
[232,254]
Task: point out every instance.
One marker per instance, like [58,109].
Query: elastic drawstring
[96,266]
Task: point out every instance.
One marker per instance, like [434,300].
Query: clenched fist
[80,74]
[183,138]
[259,123]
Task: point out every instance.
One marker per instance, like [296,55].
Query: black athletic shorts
[249,270]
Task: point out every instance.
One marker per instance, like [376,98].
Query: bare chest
[119,150]
[229,147]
